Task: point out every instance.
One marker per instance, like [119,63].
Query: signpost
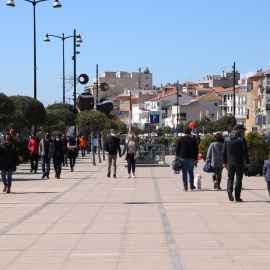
[254,129]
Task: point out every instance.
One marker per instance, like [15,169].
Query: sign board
[175,131]
[195,130]
[254,129]
[154,118]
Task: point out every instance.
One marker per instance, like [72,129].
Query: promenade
[88,221]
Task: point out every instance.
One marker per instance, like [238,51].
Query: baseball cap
[112,130]
[239,127]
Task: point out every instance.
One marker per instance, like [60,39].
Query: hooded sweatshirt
[214,154]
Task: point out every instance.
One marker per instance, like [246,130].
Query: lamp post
[47,39]
[177,117]
[56,4]
[234,92]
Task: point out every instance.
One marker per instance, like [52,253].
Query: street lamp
[47,39]
[56,4]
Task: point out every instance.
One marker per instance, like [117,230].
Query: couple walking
[131,150]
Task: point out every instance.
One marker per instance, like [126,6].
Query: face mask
[113,134]
[57,139]
[130,136]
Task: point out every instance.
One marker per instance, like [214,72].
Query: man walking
[64,143]
[187,149]
[235,151]
[112,146]
[33,147]
[83,144]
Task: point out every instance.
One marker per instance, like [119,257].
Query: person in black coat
[187,149]
[58,156]
[9,159]
[235,151]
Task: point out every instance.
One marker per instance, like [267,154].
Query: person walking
[214,158]
[235,151]
[266,173]
[187,149]
[131,150]
[83,144]
[58,156]
[112,145]
[64,143]
[46,151]
[72,147]
[95,144]
[9,160]
[33,147]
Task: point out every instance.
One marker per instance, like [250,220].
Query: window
[215,104]
[211,115]
[183,116]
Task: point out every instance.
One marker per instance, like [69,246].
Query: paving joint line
[23,218]
[175,257]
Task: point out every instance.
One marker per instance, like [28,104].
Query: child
[266,173]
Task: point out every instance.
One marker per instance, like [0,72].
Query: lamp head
[79,39]
[47,39]
[57,4]
[10,3]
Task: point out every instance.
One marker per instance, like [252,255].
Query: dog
[198,181]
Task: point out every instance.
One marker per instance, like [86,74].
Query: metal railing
[151,154]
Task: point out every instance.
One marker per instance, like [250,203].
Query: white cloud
[244,76]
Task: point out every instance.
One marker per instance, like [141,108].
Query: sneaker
[8,190]
[48,177]
[192,187]
[43,176]
[128,176]
[114,176]
[238,200]
[4,189]
[185,189]
[71,169]
[230,195]
[108,175]
[133,176]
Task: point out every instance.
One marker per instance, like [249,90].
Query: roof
[163,96]
[188,103]
[190,83]
[199,88]
[124,97]
[221,89]
[168,86]
[211,95]
[258,75]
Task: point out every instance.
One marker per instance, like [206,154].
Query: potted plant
[204,145]
[258,151]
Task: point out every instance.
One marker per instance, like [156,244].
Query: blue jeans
[65,158]
[187,167]
[6,174]
[83,151]
[45,162]
[237,169]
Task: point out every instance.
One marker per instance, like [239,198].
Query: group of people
[230,154]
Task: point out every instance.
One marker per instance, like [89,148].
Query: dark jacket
[235,149]
[9,157]
[112,145]
[187,147]
[58,151]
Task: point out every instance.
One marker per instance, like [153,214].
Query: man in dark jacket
[187,149]
[112,146]
[235,151]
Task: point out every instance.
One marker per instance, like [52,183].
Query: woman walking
[9,158]
[72,147]
[215,159]
[131,150]
[58,156]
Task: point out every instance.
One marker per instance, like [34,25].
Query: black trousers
[72,160]
[268,187]
[34,161]
[131,163]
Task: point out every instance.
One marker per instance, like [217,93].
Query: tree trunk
[99,158]
[103,145]
[92,142]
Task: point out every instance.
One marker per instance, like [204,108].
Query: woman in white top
[131,150]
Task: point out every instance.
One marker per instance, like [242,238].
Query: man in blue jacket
[235,151]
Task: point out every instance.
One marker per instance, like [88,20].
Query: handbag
[207,168]
[176,165]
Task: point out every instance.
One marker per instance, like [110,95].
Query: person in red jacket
[83,144]
[33,147]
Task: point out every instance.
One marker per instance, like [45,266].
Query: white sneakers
[133,176]
[128,176]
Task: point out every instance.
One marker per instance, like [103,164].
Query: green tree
[168,130]
[32,109]
[205,125]
[160,132]
[93,121]
[7,109]
[204,145]
[223,122]
[180,127]
[63,106]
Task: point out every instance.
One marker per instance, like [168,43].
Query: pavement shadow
[33,192]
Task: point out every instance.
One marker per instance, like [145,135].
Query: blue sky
[175,39]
